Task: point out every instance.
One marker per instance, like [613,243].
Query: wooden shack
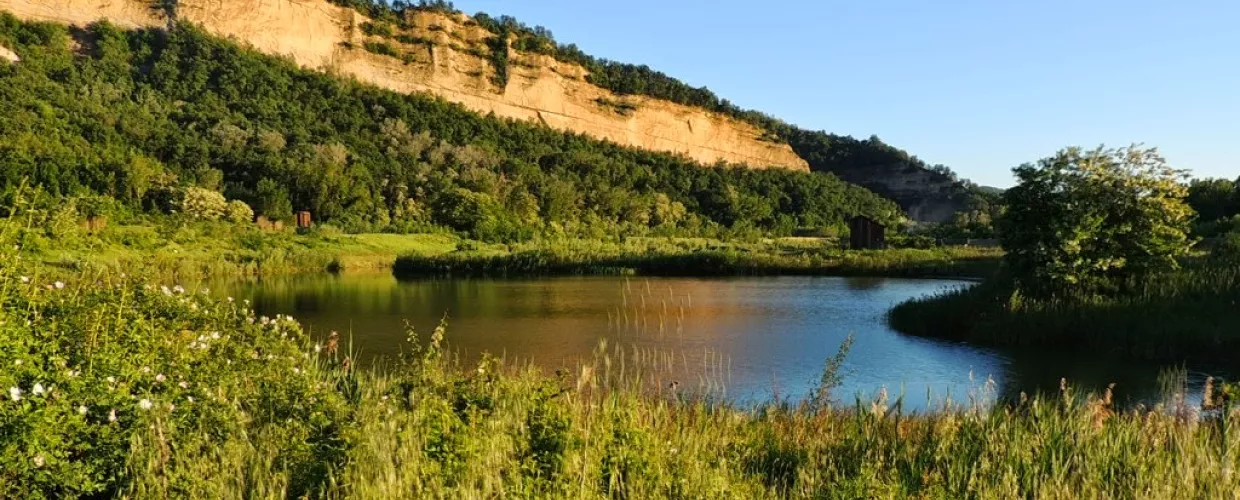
[303,220]
[865,233]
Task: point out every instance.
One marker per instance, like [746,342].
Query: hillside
[133,119]
[503,67]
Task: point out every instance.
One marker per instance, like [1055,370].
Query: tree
[1088,221]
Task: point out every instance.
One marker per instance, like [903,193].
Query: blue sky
[978,85]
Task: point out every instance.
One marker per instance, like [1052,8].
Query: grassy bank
[1187,314]
[119,387]
[176,249]
[696,257]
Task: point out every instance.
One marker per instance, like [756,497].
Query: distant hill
[128,119]
[502,67]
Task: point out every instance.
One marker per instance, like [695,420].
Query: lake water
[746,339]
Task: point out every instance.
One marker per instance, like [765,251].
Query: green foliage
[1092,220]
[199,203]
[238,212]
[1217,202]
[142,114]
[1172,316]
[854,160]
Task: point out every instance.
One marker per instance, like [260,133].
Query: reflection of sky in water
[756,337]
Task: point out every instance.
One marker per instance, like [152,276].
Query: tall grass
[1193,313]
[653,257]
[122,387]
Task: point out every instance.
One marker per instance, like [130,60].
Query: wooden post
[303,220]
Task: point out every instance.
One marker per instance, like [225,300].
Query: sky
[978,85]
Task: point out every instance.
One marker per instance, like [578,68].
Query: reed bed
[1191,314]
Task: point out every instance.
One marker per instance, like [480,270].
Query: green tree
[1086,221]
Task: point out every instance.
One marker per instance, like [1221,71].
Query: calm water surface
[747,339]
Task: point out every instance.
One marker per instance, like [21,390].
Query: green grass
[1189,314]
[653,256]
[130,389]
[182,250]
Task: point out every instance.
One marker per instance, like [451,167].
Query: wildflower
[297,370]
[111,380]
[145,404]
[160,378]
[17,363]
[171,407]
[230,300]
[318,348]
[146,369]
[82,410]
[112,415]
[59,285]
[15,393]
[183,385]
[215,335]
[37,389]
[164,290]
[38,460]
[189,398]
[178,289]
[25,279]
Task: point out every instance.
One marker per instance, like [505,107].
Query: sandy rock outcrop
[320,35]
[8,55]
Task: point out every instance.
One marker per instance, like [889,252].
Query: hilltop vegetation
[140,116]
[854,160]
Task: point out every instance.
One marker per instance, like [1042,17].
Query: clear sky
[978,85]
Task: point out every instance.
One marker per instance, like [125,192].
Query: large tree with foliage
[1089,221]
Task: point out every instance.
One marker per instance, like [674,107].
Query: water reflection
[749,339]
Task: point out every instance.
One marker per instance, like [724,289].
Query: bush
[202,203]
[237,211]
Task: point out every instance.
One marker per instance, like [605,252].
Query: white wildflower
[189,398]
[38,460]
[171,407]
[17,363]
[59,285]
[297,370]
[183,385]
[164,290]
[37,389]
[160,378]
[25,279]
[145,404]
[215,335]
[15,393]
[318,348]
[112,415]
[146,369]
[178,289]
[82,410]
[230,299]
[111,380]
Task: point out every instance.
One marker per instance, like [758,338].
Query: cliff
[446,56]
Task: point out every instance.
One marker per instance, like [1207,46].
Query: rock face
[8,55]
[445,56]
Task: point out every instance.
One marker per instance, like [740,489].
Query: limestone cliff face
[445,56]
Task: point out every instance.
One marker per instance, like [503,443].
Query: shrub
[202,203]
[239,212]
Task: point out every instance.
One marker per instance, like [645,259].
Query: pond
[744,339]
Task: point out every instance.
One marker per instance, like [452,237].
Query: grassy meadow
[126,387]
[181,249]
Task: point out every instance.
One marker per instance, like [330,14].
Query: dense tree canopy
[854,160]
[134,114]
[1090,220]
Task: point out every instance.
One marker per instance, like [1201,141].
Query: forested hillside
[139,116]
[888,170]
